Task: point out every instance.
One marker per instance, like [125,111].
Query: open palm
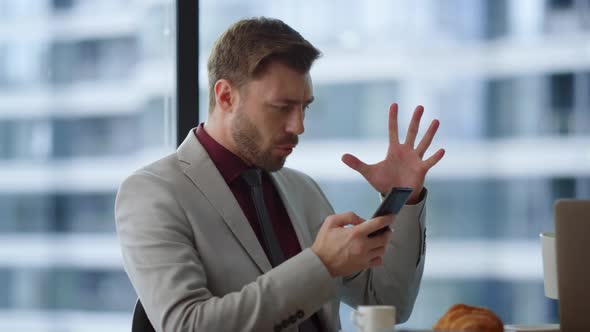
[403,165]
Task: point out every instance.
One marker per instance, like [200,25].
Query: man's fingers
[435,158]
[343,219]
[374,224]
[379,240]
[379,251]
[427,139]
[393,131]
[414,126]
[355,163]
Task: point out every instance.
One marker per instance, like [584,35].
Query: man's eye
[282,108]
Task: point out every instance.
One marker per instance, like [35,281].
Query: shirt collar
[229,165]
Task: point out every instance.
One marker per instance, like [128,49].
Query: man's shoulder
[156,181]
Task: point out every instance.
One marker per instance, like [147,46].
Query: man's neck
[222,136]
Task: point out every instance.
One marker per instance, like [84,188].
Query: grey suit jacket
[197,265]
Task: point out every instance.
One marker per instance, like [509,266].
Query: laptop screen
[572,232]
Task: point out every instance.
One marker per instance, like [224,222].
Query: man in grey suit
[219,236]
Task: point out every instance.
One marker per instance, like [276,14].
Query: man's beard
[248,141]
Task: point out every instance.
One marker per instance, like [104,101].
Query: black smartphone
[392,204]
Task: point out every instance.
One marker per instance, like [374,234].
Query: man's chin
[274,165]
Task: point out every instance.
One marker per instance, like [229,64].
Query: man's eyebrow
[294,101]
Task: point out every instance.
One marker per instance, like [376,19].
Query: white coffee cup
[549,264]
[374,318]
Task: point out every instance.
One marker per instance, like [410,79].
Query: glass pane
[514,121]
[86,95]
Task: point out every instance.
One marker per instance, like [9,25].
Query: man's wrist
[417,199]
[322,259]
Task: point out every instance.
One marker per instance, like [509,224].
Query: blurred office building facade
[86,97]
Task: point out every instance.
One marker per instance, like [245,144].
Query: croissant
[461,317]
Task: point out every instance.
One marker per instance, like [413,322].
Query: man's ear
[225,95]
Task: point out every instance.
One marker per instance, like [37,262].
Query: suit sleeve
[164,267]
[397,281]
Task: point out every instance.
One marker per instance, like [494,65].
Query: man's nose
[295,121]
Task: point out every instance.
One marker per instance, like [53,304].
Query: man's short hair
[245,49]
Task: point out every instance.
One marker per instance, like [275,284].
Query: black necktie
[253,178]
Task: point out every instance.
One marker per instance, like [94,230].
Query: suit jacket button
[300,314]
[292,319]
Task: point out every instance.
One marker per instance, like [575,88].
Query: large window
[87,93]
[510,84]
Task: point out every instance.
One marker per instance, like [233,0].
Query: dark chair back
[141,323]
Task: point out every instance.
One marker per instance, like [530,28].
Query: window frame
[187,67]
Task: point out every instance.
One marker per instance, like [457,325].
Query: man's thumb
[354,163]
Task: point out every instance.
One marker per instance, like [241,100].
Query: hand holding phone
[392,204]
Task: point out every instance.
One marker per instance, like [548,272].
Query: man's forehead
[290,94]
[285,84]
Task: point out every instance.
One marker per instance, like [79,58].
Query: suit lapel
[203,173]
[301,228]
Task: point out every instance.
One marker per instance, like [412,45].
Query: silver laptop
[572,242]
